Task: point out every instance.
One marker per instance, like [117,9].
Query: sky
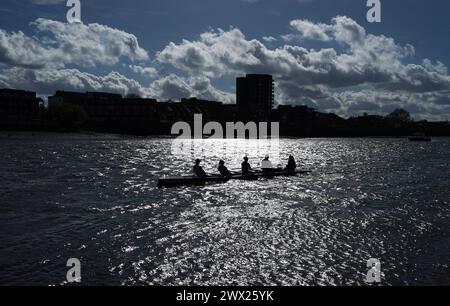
[322,53]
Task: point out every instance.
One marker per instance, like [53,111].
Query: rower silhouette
[292,165]
[223,170]
[246,168]
[198,170]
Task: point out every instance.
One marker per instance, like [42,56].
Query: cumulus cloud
[175,87]
[312,77]
[310,30]
[57,44]
[40,63]
[145,71]
[366,59]
[17,49]
[46,81]
[269,39]
[171,87]
[358,72]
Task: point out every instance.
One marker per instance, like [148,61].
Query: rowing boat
[195,181]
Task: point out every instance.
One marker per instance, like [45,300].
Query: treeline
[299,121]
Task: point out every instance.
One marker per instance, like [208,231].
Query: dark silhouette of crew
[198,170]
[246,168]
[222,169]
[291,166]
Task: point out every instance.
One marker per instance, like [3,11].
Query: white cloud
[175,87]
[58,44]
[269,39]
[367,59]
[308,76]
[145,71]
[367,73]
[310,30]
[47,81]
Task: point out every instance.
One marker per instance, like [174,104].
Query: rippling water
[94,197]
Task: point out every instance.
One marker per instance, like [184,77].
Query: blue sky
[264,31]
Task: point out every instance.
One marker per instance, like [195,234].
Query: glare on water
[231,151]
[95,198]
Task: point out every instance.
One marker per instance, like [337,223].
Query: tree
[399,115]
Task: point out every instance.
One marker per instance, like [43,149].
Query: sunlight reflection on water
[231,150]
[95,198]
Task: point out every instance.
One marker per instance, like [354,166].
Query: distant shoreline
[117,136]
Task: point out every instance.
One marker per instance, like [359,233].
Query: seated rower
[223,170]
[198,170]
[246,166]
[291,166]
[266,165]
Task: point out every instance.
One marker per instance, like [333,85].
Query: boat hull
[196,181]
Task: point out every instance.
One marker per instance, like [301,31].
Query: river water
[94,197]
